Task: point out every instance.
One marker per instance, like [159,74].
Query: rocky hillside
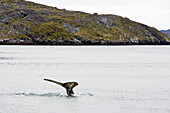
[23,22]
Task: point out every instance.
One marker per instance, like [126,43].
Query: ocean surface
[112,79]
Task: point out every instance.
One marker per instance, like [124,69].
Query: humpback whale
[68,85]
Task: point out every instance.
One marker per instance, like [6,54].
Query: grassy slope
[21,19]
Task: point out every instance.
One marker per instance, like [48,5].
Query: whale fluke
[68,85]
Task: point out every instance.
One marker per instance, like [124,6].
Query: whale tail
[68,85]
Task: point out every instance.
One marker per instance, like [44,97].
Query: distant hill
[23,22]
[167,32]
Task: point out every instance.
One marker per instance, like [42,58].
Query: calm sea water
[133,79]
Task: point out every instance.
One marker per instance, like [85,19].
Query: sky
[155,13]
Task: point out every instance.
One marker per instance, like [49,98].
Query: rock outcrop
[23,22]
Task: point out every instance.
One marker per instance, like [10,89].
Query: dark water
[111,79]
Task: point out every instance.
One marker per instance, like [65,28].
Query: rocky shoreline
[78,42]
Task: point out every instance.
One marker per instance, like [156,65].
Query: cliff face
[23,22]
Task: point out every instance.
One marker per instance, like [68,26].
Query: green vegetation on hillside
[28,21]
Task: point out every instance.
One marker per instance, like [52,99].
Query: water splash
[52,95]
[40,95]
